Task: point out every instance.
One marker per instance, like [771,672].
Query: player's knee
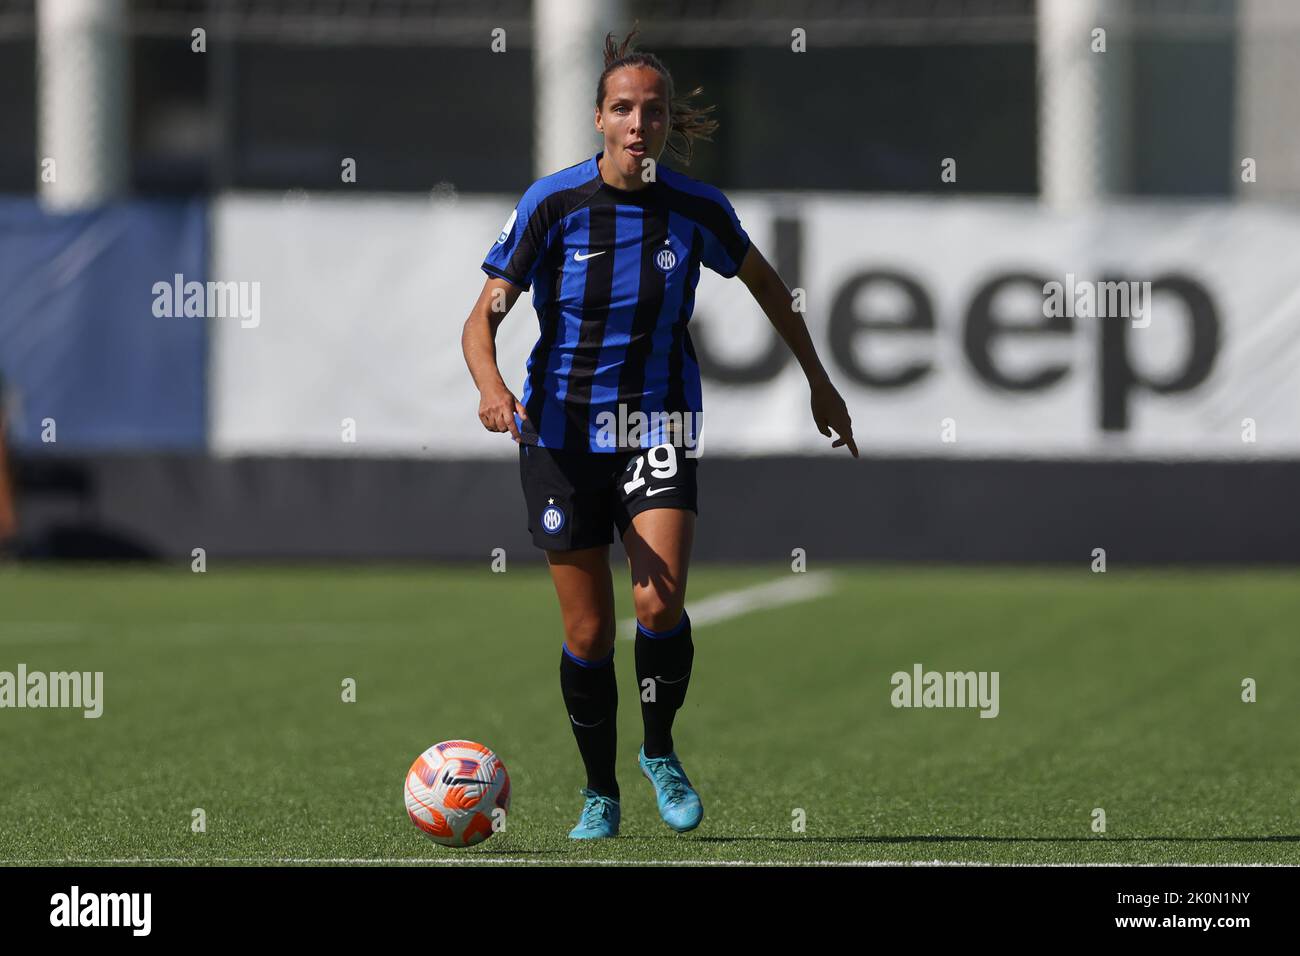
[590,637]
[657,614]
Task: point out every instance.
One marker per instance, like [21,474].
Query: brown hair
[686,121]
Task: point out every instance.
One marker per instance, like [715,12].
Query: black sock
[591,697]
[664,657]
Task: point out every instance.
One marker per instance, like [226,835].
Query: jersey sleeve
[521,244]
[725,239]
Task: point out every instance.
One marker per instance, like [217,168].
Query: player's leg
[658,544]
[569,517]
[585,589]
[654,508]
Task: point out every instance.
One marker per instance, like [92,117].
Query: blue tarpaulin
[79,341]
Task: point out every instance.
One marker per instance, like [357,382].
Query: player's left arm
[777,303]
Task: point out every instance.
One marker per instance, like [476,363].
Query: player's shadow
[968,838]
[648,569]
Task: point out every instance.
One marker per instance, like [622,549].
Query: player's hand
[830,412]
[496,410]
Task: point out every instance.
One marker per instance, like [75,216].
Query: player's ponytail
[687,122]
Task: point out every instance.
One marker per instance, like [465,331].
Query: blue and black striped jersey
[613,274]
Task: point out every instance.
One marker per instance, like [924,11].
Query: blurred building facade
[324,409]
[889,90]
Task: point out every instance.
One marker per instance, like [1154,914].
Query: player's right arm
[497,404]
[511,265]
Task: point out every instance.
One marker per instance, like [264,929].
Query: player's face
[634,117]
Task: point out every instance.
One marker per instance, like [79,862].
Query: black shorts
[576,498]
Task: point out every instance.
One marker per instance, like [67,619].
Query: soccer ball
[454,791]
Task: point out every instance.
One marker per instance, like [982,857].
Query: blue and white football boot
[600,817]
[679,804]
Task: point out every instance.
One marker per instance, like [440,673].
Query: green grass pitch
[222,690]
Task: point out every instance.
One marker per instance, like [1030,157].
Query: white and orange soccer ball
[457,792]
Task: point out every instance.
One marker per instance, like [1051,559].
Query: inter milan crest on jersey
[552,518]
[666,259]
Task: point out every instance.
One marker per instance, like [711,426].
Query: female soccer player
[612,248]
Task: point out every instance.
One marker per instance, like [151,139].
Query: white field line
[515,861]
[757,597]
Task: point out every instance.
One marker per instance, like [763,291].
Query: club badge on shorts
[552,517]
